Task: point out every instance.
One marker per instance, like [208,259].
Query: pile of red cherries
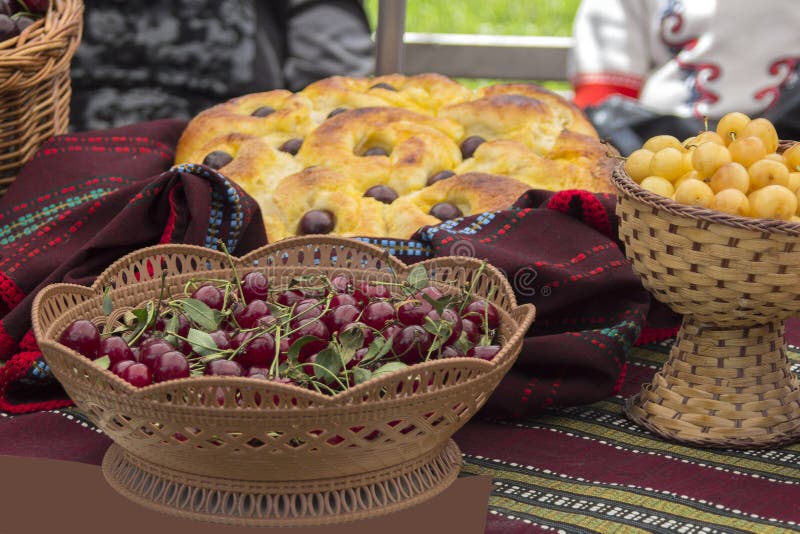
[325,334]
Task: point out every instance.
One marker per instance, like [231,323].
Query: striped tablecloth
[589,469]
[577,469]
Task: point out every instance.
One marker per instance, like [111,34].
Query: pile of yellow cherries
[736,169]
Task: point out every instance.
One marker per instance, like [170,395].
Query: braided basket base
[723,387]
[249,503]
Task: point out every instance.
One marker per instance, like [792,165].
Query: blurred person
[174,58]
[643,67]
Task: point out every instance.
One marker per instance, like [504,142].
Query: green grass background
[498,17]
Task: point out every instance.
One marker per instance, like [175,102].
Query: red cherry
[37,6]
[152,348]
[240,338]
[289,297]
[255,286]
[479,310]
[361,299]
[471,330]
[342,299]
[311,327]
[120,366]
[169,366]
[308,368]
[209,295]
[223,368]
[307,309]
[412,344]
[342,284]
[82,336]
[230,323]
[116,349]
[183,325]
[413,312]
[357,357]
[391,330]
[258,371]
[260,351]
[284,349]
[184,346]
[377,314]
[450,351]
[340,316]
[484,352]
[221,339]
[137,375]
[375,291]
[266,322]
[255,310]
[454,319]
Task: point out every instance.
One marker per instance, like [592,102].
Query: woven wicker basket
[727,382]
[35,85]
[274,454]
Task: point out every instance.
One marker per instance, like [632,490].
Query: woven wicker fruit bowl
[256,452]
[727,382]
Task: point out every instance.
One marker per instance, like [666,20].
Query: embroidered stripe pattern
[400,247]
[30,223]
[225,194]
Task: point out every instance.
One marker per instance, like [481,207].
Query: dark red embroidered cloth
[559,252]
[82,202]
[85,200]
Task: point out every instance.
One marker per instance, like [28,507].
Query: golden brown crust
[534,139]
[291,119]
[567,166]
[423,93]
[509,116]
[471,193]
[256,164]
[570,115]
[318,188]
[418,146]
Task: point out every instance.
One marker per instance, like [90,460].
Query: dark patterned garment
[178,57]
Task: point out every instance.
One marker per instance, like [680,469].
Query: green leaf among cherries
[200,313]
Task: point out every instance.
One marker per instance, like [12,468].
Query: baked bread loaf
[381,157]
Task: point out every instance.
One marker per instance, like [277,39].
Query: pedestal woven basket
[268,453]
[727,382]
[35,85]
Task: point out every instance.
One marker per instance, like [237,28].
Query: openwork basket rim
[153,393]
[629,188]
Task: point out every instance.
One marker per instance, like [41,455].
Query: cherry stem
[331,373]
[472,283]
[233,268]
[389,265]
[274,370]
